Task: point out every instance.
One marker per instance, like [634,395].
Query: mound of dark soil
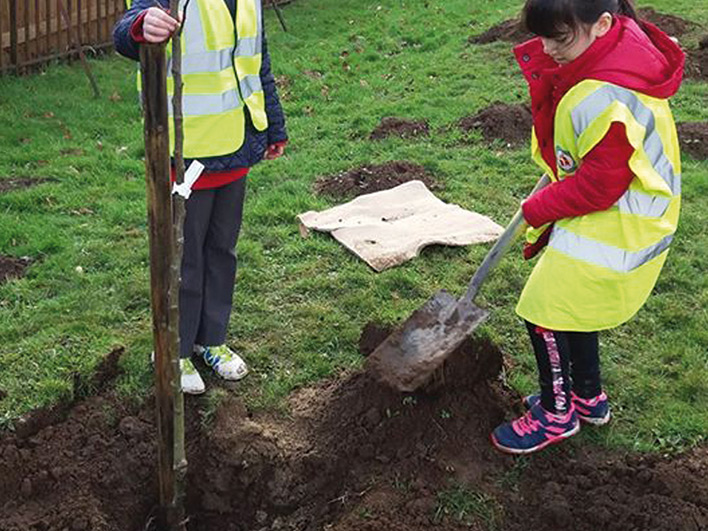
[373,178]
[509,31]
[697,61]
[400,127]
[13,183]
[593,490]
[501,121]
[693,137]
[513,31]
[670,24]
[349,455]
[84,464]
[338,458]
[12,267]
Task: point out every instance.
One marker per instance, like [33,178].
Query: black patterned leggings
[566,360]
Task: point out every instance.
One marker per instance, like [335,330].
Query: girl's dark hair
[559,19]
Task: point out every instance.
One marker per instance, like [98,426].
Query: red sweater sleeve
[136,29]
[602,178]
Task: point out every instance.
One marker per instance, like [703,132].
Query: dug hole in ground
[347,454]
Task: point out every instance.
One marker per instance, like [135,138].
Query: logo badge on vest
[565,160]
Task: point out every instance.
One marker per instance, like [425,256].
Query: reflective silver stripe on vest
[203,104]
[249,46]
[604,255]
[249,85]
[198,63]
[193,32]
[641,204]
[597,102]
[197,60]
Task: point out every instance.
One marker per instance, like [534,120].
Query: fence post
[13,34]
[37,47]
[48,26]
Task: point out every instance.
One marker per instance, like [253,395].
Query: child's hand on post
[158,25]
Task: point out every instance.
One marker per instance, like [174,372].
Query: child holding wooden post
[232,120]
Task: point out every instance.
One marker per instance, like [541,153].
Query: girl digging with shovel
[599,83]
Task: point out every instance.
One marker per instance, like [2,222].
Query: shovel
[412,353]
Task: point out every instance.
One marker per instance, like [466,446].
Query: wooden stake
[178,204]
[164,292]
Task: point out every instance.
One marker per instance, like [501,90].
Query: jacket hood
[641,58]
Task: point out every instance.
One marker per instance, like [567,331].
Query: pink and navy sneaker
[535,430]
[591,410]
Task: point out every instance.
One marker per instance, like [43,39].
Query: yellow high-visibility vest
[221,63]
[599,269]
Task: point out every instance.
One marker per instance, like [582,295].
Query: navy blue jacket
[255,143]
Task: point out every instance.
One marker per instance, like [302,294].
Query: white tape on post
[190,177]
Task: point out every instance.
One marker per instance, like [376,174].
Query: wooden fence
[33,32]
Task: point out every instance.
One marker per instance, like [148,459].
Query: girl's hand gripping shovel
[412,353]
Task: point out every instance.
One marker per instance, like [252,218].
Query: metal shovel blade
[410,355]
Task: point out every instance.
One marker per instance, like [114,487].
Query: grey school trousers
[211,227]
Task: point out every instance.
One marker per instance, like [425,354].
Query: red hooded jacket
[638,58]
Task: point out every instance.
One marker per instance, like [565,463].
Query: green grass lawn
[301,303]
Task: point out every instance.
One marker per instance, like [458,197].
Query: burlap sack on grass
[388,228]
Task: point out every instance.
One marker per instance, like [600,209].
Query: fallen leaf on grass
[282,82]
[82,211]
[131,233]
[314,74]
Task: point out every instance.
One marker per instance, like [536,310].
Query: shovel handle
[516,226]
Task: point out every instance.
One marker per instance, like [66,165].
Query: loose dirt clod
[400,127]
[693,137]
[11,267]
[8,184]
[510,30]
[501,121]
[373,178]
